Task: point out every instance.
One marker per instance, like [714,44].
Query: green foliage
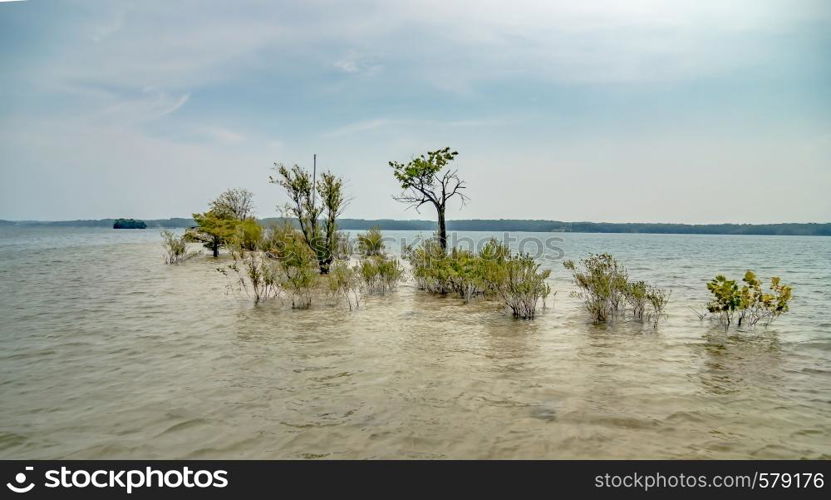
[248,234]
[279,239]
[421,172]
[300,276]
[299,267]
[229,221]
[635,294]
[255,273]
[603,284]
[371,242]
[421,183]
[379,274]
[492,273]
[523,285]
[268,262]
[320,234]
[429,268]
[345,282]
[176,248]
[605,288]
[213,230]
[491,267]
[658,299]
[750,303]
[129,224]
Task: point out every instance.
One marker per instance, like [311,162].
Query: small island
[129,224]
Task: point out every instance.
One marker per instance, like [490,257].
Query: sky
[621,111]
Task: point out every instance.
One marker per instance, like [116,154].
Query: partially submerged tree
[230,218]
[423,181]
[212,230]
[320,234]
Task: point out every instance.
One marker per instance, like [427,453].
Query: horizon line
[45,221]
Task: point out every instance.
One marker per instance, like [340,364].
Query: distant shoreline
[513,225]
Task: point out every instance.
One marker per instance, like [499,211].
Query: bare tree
[423,182]
[235,203]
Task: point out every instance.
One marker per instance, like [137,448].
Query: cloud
[360,126]
[150,104]
[105,89]
[353,63]
[382,123]
[224,135]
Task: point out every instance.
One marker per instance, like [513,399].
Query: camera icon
[20,478]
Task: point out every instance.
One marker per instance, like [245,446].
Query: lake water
[105,352]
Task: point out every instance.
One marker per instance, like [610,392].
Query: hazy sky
[672,111]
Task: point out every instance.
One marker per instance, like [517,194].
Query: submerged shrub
[428,264]
[176,248]
[299,271]
[605,288]
[463,274]
[636,295]
[379,274]
[658,299]
[280,261]
[371,243]
[749,304]
[603,284]
[492,273]
[254,272]
[523,285]
[345,283]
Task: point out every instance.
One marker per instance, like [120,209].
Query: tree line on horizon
[519,225]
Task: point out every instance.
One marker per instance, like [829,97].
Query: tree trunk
[442,228]
[215,247]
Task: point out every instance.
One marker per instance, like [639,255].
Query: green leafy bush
[749,304]
[492,273]
[345,283]
[267,263]
[379,274]
[523,285]
[429,266]
[605,288]
[603,284]
[371,243]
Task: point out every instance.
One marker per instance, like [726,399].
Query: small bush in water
[492,273]
[254,272]
[176,248]
[523,285]
[371,243]
[749,304]
[605,288]
[345,283]
[379,274]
